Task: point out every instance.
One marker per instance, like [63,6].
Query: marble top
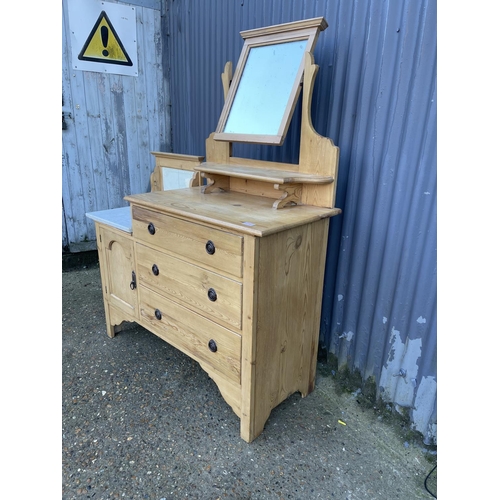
[120,218]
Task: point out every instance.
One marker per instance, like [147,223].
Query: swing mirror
[266,83]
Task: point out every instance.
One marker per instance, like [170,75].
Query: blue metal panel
[375,96]
[383,319]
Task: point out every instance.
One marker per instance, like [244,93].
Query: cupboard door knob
[151,228]
[155,270]
[158,314]
[212,294]
[210,247]
[133,283]
[212,345]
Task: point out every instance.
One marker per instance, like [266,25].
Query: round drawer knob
[212,294]
[151,228]
[155,270]
[158,314]
[212,345]
[210,247]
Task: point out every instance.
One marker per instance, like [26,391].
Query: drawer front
[211,247]
[191,333]
[212,295]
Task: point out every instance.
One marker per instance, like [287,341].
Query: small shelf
[274,176]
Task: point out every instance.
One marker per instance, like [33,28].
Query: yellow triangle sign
[104,45]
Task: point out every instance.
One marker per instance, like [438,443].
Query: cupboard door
[121,282]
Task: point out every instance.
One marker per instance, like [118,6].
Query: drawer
[212,295]
[196,336]
[211,247]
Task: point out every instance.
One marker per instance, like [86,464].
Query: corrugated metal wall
[375,96]
[113,122]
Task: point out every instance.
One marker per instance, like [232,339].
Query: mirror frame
[289,32]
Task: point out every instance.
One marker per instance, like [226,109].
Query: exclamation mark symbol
[104,38]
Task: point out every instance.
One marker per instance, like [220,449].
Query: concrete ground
[141,420]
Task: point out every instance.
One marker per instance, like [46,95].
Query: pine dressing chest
[230,269]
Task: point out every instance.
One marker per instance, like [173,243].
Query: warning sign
[103,44]
[103,37]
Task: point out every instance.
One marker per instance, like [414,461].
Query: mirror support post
[318,154]
[227,77]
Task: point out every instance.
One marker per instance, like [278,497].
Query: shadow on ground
[141,420]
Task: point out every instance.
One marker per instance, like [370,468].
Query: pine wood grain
[188,240]
[273,176]
[189,284]
[289,290]
[239,212]
[117,262]
[318,155]
[191,333]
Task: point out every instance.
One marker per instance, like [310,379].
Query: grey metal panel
[148,4]
[375,96]
[113,123]
[383,319]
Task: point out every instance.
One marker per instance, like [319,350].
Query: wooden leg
[114,320]
[110,330]
[251,427]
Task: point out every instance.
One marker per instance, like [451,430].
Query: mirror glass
[265,88]
[174,178]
